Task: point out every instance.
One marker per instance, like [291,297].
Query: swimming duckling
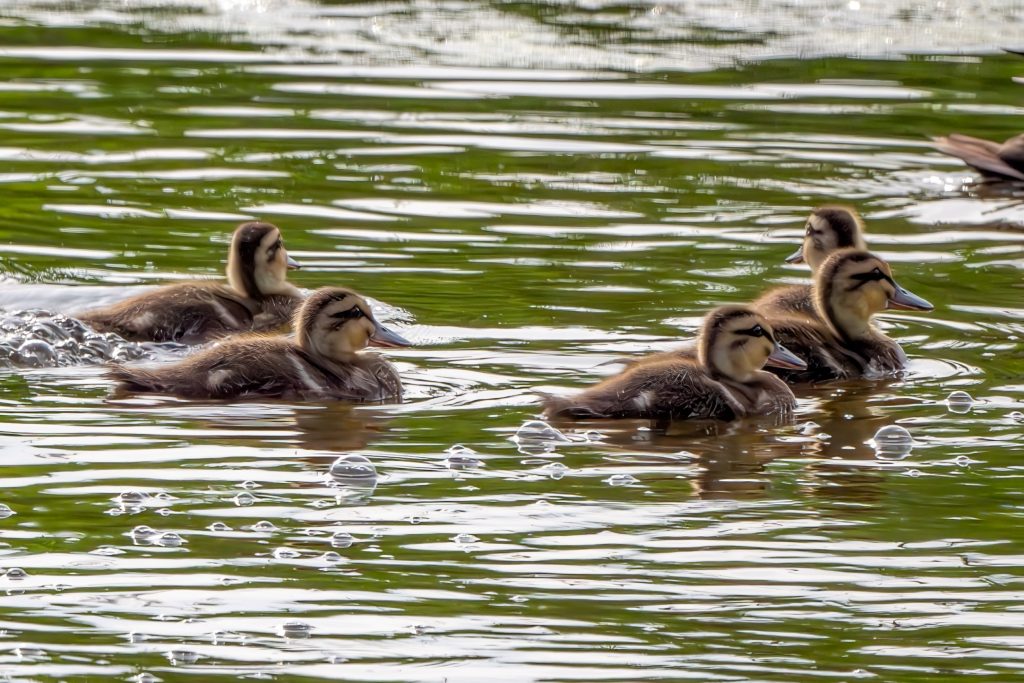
[838,341]
[995,161]
[828,229]
[257,297]
[332,326]
[725,381]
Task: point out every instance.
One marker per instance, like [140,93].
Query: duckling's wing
[977,153]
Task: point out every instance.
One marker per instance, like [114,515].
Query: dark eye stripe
[757,331]
[351,314]
[874,276]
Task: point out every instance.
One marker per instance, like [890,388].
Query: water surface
[529,191]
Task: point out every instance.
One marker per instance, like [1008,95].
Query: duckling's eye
[353,313]
[755,331]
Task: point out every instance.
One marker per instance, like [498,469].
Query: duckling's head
[852,285]
[335,322]
[736,342]
[257,263]
[828,229]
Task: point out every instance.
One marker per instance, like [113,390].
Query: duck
[829,227]
[257,296]
[838,340]
[323,361]
[994,160]
[724,381]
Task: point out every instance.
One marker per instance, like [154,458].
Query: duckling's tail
[135,379]
[561,406]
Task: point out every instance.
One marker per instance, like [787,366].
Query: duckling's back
[271,367]
[669,389]
[189,313]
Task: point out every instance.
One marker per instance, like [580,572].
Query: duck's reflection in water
[833,441]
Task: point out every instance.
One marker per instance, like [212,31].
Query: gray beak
[382,336]
[293,264]
[908,301]
[781,357]
[797,256]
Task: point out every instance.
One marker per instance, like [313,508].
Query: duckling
[323,362]
[995,161]
[838,341]
[257,297]
[724,382]
[828,228]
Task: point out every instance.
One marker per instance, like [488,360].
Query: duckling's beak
[382,336]
[797,256]
[293,264]
[781,357]
[908,301]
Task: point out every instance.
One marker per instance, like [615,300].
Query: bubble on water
[913,473]
[459,449]
[342,539]
[295,629]
[462,462]
[959,402]
[284,553]
[107,550]
[218,527]
[182,657]
[130,497]
[16,574]
[170,539]
[264,526]
[244,499]
[162,495]
[143,532]
[332,557]
[808,428]
[1016,416]
[164,512]
[621,480]
[25,652]
[962,461]
[465,539]
[144,677]
[6,511]
[354,476]
[353,469]
[892,442]
[35,353]
[554,470]
[539,431]
[249,485]
[592,436]
[519,598]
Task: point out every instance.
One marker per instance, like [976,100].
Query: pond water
[528,190]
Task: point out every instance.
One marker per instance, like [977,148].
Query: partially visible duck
[332,327]
[995,161]
[258,296]
[828,229]
[724,382]
[838,340]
